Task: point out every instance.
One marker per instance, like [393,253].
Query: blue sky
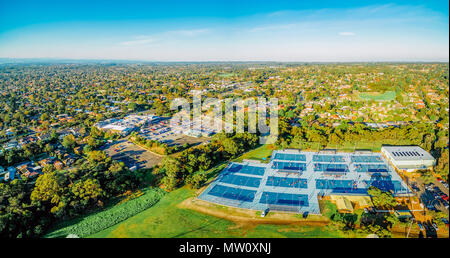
[226,30]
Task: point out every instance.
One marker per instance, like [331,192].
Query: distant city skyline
[291,31]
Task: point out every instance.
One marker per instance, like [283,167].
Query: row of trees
[27,210]
[190,165]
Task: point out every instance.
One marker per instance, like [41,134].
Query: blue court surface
[287,182]
[371,168]
[334,184]
[294,166]
[237,168]
[292,181]
[320,167]
[240,180]
[366,159]
[290,156]
[284,199]
[340,186]
[232,193]
[328,158]
[385,184]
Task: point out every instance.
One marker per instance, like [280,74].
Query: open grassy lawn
[386,96]
[350,146]
[264,151]
[166,220]
[373,145]
[225,75]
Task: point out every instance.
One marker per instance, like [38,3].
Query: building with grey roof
[408,158]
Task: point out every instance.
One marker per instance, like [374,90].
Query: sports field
[386,96]
[261,153]
[225,75]
[374,145]
[294,179]
[166,219]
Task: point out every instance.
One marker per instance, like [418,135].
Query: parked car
[415,187]
[435,226]
[420,225]
[445,221]
[264,213]
[432,208]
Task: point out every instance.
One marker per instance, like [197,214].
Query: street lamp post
[410,225]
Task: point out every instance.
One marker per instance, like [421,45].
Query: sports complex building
[293,180]
[408,158]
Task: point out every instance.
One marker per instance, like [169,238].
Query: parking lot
[163,133]
[132,155]
[433,197]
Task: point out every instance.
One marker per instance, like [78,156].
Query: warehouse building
[128,124]
[408,158]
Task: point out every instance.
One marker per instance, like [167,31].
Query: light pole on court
[409,229]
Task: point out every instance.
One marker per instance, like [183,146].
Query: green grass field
[374,145]
[225,75]
[166,220]
[349,146]
[259,153]
[386,96]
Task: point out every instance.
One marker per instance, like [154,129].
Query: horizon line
[34,59]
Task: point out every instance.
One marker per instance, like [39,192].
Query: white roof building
[408,157]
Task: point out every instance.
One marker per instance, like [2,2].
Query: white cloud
[189,33]
[273,27]
[148,39]
[347,33]
[140,40]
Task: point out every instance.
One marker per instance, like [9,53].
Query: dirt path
[248,217]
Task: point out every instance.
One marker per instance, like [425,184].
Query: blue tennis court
[250,170]
[290,156]
[294,181]
[366,159]
[284,199]
[332,184]
[371,168]
[340,186]
[328,158]
[386,185]
[289,166]
[287,182]
[233,193]
[330,168]
[240,180]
